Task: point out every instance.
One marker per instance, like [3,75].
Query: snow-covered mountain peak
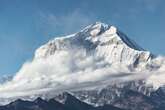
[97,56]
[102,40]
[109,32]
[99,28]
[112,30]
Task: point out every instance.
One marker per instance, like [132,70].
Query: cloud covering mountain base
[75,69]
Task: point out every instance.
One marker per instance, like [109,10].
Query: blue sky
[27,24]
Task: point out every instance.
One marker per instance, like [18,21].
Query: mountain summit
[101,40]
[99,58]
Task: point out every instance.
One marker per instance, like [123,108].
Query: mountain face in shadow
[130,100]
[71,103]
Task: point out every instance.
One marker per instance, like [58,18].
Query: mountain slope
[101,40]
[97,65]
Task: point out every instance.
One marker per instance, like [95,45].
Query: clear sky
[27,24]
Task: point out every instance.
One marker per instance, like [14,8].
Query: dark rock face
[38,104]
[134,101]
[159,98]
[112,93]
[71,103]
[129,96]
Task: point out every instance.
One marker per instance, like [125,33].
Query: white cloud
[65,24]
[65,70]
[61,71]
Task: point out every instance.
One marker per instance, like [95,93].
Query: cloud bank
[72,69]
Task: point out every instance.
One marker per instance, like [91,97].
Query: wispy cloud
[65,24]
[150,5]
